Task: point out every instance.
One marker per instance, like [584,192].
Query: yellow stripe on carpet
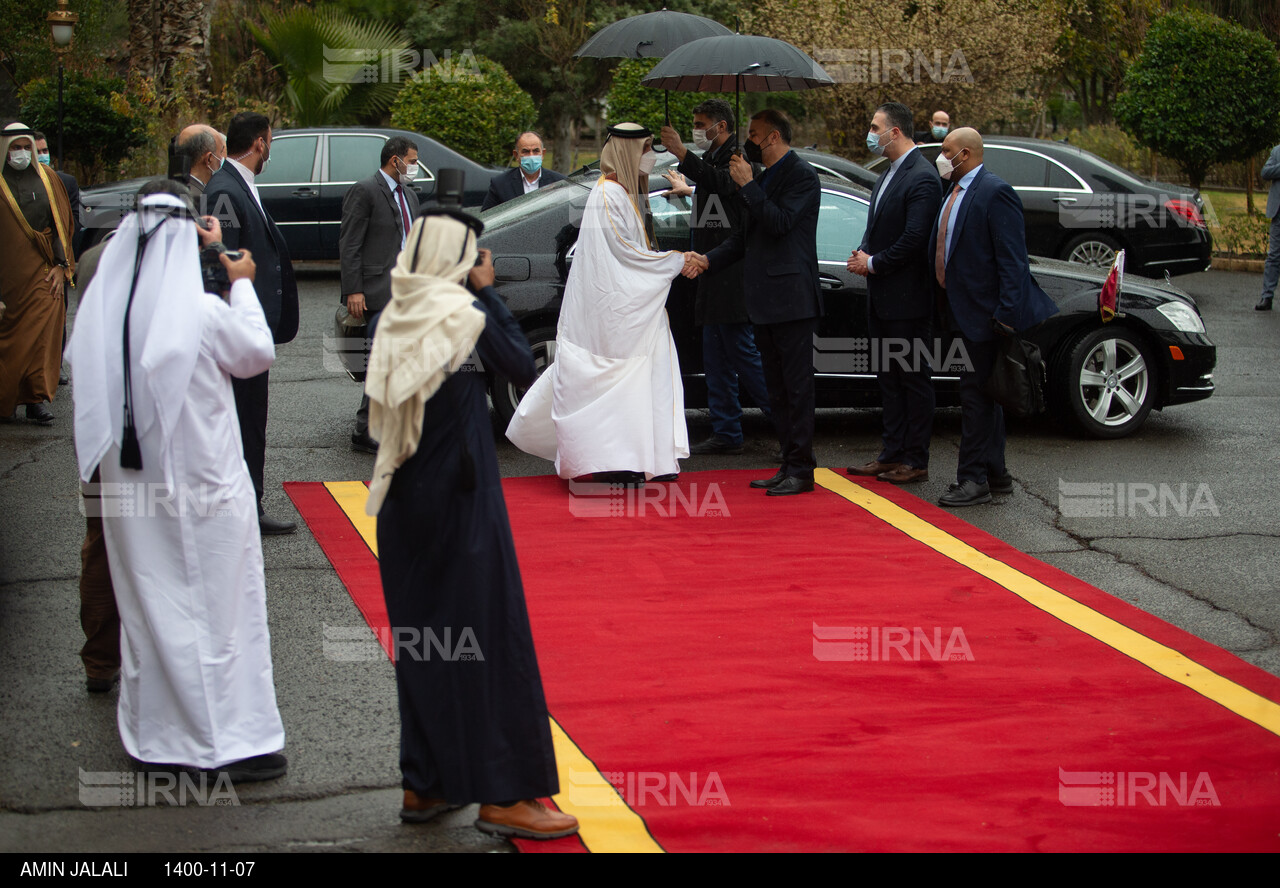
[606,824]
[1164,660]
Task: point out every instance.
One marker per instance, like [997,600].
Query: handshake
[694,264]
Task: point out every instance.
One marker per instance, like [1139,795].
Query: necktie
[940,259]
[404,214]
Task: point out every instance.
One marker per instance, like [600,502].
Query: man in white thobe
[612,403]
[155,411]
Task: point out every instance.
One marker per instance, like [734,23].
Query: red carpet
[812,674]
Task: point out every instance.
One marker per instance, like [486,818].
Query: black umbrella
[737,62]
[649,36]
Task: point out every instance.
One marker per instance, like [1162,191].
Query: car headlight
[1183,317]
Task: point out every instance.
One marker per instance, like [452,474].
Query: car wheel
[507,394]
[1106,384]
[1093,249]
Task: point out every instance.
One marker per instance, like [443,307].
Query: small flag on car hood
[1110,293]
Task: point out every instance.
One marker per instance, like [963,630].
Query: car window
[670,217]
[842,220]
[1060,178]
[1021,169]
[526,205]
[292,159]
[352,158]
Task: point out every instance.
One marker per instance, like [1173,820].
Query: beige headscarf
[427,332]
[621,156]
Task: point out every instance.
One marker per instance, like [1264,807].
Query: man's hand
[740,170]
[244,267]
[858,263]
[482,275]
[680,186]
[213,234]
[694,264]
[672,142]
[57,277]
[355,305]
[1002,329]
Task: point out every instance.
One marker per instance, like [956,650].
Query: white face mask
[20,159]
[700,139]
[410,173]
[944,166]
[647,161]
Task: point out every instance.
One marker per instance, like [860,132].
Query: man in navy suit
[779,249]
[979,255]
[232,197]
[894,258]
[527,176]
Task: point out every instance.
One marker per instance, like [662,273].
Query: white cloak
[182,538]
[612,400]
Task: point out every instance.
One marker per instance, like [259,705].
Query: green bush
[629,101]
[1242,235]
[470,104]
[104,118]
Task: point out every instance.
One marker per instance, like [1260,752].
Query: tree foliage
[973,58]
[1099,41]
[336,69]
[628,100]
[104,119]
[1203,91]
[471,104]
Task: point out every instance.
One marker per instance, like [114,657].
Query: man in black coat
[233,198]
[527,176]
[730,360]
[894,258]
[780,281]
[376,215]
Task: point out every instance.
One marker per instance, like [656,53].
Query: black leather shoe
[271,527]
[970,493]
[1000,483]
[361,442]
[39,414]
[770,483]
[667,478]
[791,486]
[715,444]
[1264,304]
[258,767]
[101,685]
[626,479]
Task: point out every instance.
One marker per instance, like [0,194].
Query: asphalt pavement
[1194,544]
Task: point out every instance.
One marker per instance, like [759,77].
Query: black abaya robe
[473,718]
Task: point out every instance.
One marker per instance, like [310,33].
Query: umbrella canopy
[737,62]
[649,36]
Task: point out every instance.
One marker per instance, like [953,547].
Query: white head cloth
[427,332]
[164,332]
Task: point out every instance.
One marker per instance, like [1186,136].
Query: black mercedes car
[1081,208]
[1104,379]
[303,185]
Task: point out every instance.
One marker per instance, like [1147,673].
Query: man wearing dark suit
[730,360]
[527,176]
[207,150]
[894,258]
[376,216]
[779,247]
[232,197]
[979,253]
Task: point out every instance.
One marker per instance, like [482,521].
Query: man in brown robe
[35,237]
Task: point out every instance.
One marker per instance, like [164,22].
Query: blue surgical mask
[43,158]
[939,132]
[876,144]
[531,163]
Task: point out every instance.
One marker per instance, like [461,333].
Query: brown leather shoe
[905,474]
[419,810]
[873,469]
[529,819]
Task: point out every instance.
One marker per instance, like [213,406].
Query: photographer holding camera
[154,355]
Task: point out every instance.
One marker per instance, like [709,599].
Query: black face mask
[753,152]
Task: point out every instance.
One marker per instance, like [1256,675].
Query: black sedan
[1103,379]
[303,185]
[1081,208]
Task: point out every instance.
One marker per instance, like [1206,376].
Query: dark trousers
[362,412]
[786,351]
[731,362]
[981,419]
[251,408]
[906,389]
[98,615]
